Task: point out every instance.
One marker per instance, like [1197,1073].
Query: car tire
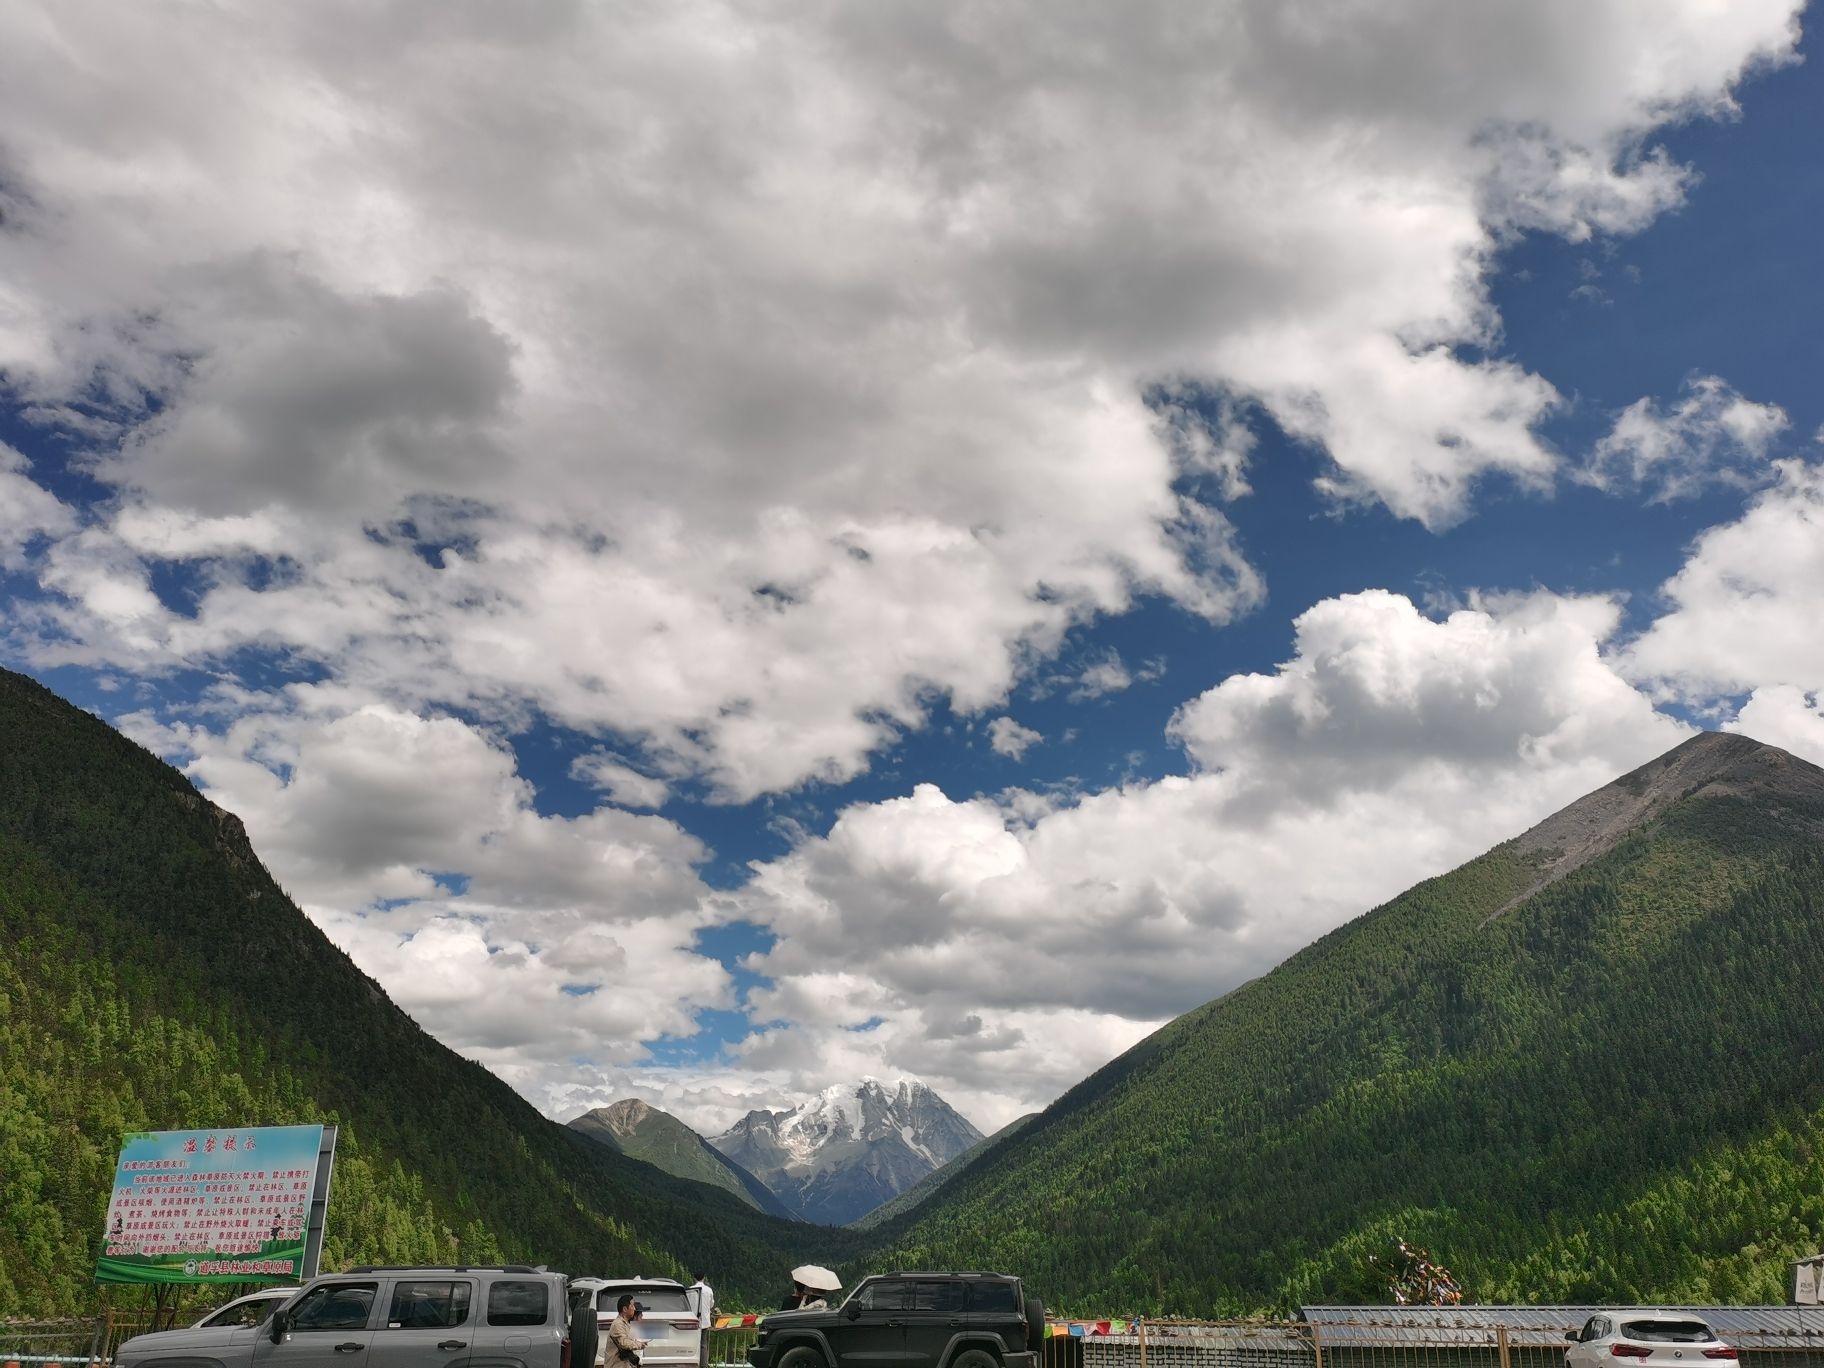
[799,1356]
[975,1358]
[1035,1325]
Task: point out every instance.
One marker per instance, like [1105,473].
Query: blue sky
[906,540]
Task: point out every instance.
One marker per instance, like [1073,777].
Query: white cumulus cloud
[738,381]
[1009,738]
[1712,435]
[1391,746]
[1787,717]
[521,940]
[1743,611]
[619,781]
[27,511]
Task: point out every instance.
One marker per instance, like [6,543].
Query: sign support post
[319,1205]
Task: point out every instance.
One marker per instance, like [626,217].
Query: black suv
[911,1320]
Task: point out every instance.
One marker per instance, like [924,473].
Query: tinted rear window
[518,1303]
[666,1299]
[938,1296]
[992,1296]
[1667,1331]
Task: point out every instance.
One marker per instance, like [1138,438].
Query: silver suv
[512,1317]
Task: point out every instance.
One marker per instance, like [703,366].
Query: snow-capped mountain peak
[841,1152]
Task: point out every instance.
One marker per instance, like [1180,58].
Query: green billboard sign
[206,1206]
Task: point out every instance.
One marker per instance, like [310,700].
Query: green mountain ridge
[1587,1066]
[153,976]
[635,1128]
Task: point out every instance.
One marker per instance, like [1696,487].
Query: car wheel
[800,1356]
[975,1358]
[1035,1325]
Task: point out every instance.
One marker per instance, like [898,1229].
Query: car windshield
[1667,1331]
[664,1300]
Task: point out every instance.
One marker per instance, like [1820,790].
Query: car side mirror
[852,1311]
[1575,1336]
[279,1325]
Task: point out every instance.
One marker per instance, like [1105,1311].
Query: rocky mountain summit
[837,1156]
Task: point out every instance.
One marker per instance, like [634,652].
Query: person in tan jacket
[621,1348]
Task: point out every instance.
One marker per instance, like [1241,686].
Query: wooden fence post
[1501,1344]
[1143,1342]
[1317,1347]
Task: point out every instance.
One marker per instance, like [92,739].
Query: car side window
[1602,1327]
[428,1305]
[938,1296]
[518,1303]
[243,1313]
[337,1306]
[886,1295]
[993,1297]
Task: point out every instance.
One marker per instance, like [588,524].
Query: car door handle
[452,1344]
[896,1325]
[351,1347]
[953,1321]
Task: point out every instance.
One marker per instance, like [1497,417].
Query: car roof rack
[448,1268]
[940,1273]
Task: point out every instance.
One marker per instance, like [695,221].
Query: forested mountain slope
[152,976]
[928,1187]
[1585,1067]
[641,1131]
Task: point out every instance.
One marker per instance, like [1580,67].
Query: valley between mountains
[1586,1066]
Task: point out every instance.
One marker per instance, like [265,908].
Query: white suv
[668,1319]
[1649,1338]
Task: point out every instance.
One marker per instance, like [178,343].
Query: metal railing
[1394,1339]
[89,1340]
[728,1348]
